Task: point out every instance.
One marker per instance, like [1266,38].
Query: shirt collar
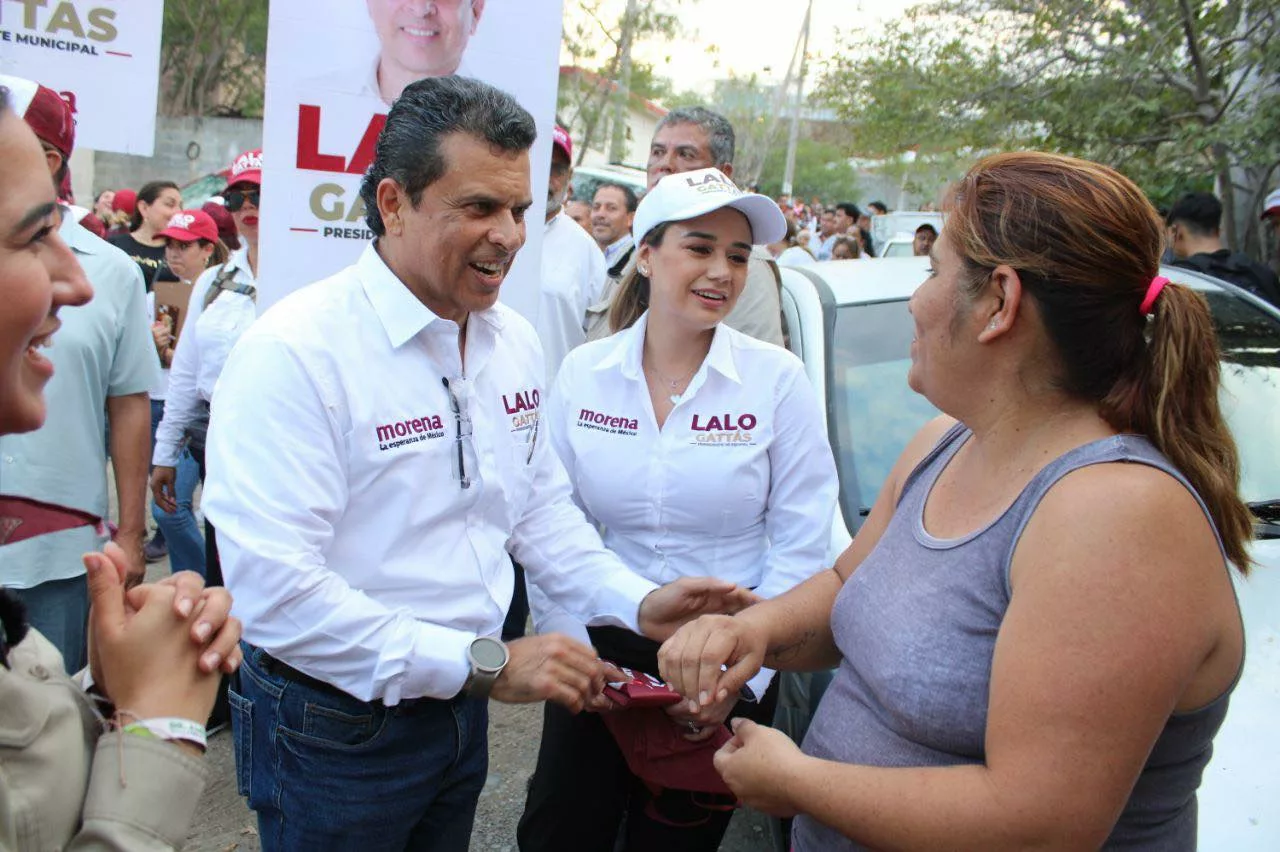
[614,249]
[628,352]
[239,260]
[401,313]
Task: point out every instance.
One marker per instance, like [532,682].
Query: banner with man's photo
[333,69]
[102,56]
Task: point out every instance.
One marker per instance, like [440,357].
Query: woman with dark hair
[156,204]
[703,452]
[121,768]
[1036,630]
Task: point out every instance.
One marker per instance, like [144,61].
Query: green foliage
[213,57]
[1175,93]
[822,170]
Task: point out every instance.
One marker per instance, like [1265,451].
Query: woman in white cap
[701,451]
[223,305]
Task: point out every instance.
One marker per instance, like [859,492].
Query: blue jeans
[326,771]
[59,609]
[179,529]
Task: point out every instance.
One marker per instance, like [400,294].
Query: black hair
[1199,212]
[927,227]
[148,194]
[879,206]
[428,111]
[633,200]
[849,209]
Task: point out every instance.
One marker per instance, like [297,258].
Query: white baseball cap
[688,195]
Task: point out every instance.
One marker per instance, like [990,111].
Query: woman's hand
[757,763]
[667,607]
[709,660]
[204,615]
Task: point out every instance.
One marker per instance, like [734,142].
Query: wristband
[170,729]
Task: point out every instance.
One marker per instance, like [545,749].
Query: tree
[1172,92]
[597,36]
[213,57]
[822,169]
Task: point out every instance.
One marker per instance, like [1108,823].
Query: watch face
[488,653]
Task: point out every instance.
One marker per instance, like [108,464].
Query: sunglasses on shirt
[236,199]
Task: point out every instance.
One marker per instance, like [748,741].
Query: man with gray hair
[374,453]
[691,138]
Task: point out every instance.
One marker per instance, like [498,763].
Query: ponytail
[632,298]
[1171,397]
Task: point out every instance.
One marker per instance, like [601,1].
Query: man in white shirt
[822,242]
[373,454]
[612,210]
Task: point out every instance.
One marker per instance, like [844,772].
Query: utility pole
[618,138]
[789,175]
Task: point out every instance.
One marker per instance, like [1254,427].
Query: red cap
[45,111]
[226,225]
[125,201]
[560,138]
[190,225]
[247,168]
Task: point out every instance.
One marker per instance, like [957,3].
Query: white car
[848,321]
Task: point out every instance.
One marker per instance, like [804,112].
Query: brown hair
[1086,244]
[632,298]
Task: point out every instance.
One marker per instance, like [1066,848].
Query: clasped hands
[158,649]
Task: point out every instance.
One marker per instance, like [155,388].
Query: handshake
[556,668]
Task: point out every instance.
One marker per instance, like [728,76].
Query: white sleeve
[562,553]
[275,504]
[549,617]
[182,401]
[802,496]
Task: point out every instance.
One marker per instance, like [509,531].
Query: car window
[898,250]
[875,413]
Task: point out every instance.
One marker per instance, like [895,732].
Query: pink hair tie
[1153,293]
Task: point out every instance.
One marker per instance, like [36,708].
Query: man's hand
[136,563]
[756,764]
[164,487]
[551,668]
[710,659]
[665,609]
[701,722]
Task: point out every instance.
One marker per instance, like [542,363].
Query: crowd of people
[399,471]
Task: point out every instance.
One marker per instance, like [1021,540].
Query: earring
[644,272]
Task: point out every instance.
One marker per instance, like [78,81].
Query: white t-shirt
[573,278]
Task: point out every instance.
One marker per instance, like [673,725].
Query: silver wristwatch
[488,657]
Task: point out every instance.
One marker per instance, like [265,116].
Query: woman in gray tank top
[1035,629]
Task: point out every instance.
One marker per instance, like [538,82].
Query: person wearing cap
[922,243]
[374,455]
[691,138]
[227,232]
[123,203]
[192,245]
[106,364]
[700,451]
[223,305]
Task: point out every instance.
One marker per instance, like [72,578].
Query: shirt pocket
[518,473]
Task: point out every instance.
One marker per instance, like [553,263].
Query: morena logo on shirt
[608,423]
[413,431]
[723,428]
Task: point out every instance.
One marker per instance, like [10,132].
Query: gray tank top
[917,624]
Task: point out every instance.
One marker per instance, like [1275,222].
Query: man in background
[922,243]
[1196,242]
[612,211]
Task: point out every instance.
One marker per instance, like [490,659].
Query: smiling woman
[702,452]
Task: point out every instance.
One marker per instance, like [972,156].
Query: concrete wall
[186,149]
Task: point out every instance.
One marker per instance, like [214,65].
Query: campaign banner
[102,56]
[334,67]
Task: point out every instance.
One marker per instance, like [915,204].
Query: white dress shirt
[821,246]
[616,249]
[739,483]
[352,549]
[573,276]
[208,336]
